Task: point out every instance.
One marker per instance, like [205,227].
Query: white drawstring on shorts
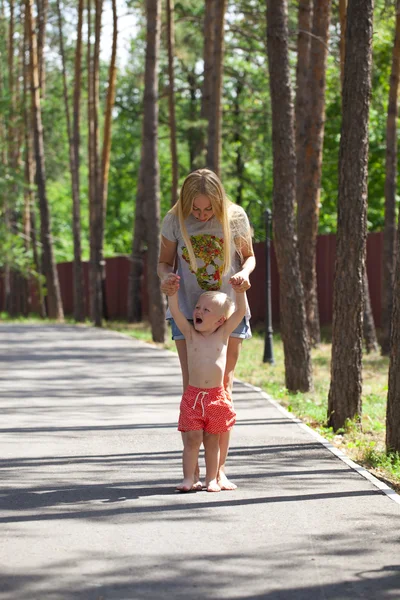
[201,401]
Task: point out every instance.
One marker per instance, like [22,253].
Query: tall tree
[73,158]
[342,44]
[302,96]
[149,181]
[42,10]
[293,318]
[389,232]
[214,142]
[171,99]
[308,199]
[344,401]
[393,403]
[55,309]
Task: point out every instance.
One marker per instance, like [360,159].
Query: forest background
[246,166]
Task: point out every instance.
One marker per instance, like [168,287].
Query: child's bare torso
[206,359]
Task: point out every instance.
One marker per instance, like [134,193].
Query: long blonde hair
[231,216]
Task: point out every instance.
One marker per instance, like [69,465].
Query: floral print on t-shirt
[209,252]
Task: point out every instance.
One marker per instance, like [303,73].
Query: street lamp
[268,349]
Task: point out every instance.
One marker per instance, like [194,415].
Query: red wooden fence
[117,270]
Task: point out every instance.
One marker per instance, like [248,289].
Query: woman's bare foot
[224,482]
[198,486]
[212,486]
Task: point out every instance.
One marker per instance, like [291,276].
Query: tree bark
[309,197]
[171,100]
[298,373]
[342,44]
[42,10]
[393,403]
[389,232]
[214,147]
[135,311]
[344,400]
[76,224]
[55,310]
[371,342]
[302,108]
[151,171]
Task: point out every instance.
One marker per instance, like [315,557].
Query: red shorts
[208,409]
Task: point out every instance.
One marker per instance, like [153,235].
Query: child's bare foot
[224,482]
[212,486]
[187,485]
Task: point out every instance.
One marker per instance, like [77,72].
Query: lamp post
[268,349]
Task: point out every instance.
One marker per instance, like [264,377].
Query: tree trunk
[389,232]
[78,274]
[393,403]
[342,46]
[214,147]
[298,374]
[344,400]
[151,171]
[238,128]
[371,342]
[95,184]
[55,310]
[309,198]
[135,312]
[302,108]
[171,100]
[42,10]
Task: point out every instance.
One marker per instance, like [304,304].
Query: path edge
[383,487]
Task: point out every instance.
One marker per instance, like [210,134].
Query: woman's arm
[240,280]
[166,262]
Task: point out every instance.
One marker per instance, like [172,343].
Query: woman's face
[202,209]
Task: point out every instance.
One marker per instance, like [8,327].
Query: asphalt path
[90,455]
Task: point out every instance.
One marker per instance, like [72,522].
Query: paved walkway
[89,456]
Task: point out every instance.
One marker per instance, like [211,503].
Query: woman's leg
[191,447]
[211,449]
[234,347]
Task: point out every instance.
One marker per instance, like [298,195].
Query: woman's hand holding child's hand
[170,284]
[239,283]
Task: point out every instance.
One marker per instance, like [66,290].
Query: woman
[196,234]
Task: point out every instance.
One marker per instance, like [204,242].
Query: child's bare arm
[181,321]
[236,317]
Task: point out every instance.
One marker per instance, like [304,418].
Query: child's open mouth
[198,320]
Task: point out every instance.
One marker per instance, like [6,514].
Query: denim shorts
[242,331]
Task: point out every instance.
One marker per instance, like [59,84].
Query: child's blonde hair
[205,182]
[223,301]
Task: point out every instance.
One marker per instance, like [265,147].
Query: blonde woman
[207,238]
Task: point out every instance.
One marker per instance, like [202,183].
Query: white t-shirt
[208,246]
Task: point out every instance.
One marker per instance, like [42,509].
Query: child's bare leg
[196,475]
[211,449]
[191,445]
[222,479]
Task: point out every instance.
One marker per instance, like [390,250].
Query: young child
[206,411]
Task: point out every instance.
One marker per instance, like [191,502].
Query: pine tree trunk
[393,403]
[344,400]
[302,104]
[298,375]
[171,100]
[42,10]
[214,147]
[55,309]
[78,274]
[389,232]
[342,45]
[309,198]
[135,312]
[151,171]
[371,342]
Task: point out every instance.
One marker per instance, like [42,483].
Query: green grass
[366,445]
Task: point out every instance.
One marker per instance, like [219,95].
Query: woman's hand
[170,284]
[240,282]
